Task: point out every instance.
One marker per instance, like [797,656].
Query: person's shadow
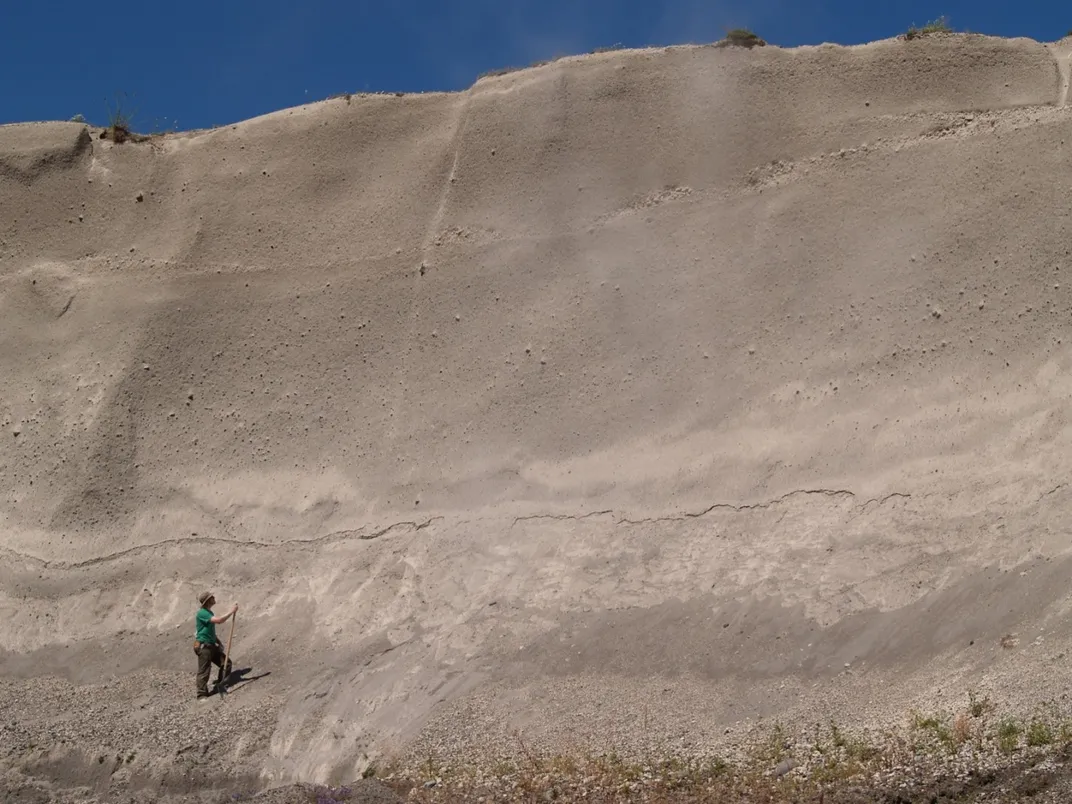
[241,677]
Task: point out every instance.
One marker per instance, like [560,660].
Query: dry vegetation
[741,37]
[969,755]
[119,128]
[938,26]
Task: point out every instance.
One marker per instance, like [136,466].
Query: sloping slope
[522,388]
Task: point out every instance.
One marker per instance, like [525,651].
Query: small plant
[714,767]
[428,768]
[978,706]
[78,119]
[937,730]
[1039,733]
[961,729]
[1009,641]
[940,25]
[118,123]
[774,748]
[1009,732]
[836,737]
[921,723]
[610,49]
[741,37]
[503,767]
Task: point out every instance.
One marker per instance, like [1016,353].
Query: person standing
[208,648]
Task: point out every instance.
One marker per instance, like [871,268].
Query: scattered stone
[783,768]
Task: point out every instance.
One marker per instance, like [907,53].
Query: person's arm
[224,617]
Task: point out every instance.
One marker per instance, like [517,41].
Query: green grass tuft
[1039,733]
[1009,731]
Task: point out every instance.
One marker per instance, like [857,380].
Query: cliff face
[509,400]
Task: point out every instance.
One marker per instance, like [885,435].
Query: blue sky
[196,64]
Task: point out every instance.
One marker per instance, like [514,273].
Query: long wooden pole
[227,656]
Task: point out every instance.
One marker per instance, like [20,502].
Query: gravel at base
[364,791]
[135,737]
[151,738]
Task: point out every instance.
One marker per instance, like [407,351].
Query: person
[208,648]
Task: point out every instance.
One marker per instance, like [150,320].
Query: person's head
[206,600]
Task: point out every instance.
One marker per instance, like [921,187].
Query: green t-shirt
[206,629]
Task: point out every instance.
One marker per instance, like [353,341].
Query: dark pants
[208,655]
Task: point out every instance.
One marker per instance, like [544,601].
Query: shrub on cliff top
[741,37]
[940,25]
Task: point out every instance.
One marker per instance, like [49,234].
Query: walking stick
[225,675]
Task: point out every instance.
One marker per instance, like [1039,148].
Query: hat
[204,597]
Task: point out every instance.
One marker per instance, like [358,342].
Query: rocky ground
[144,739]
[135,739]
